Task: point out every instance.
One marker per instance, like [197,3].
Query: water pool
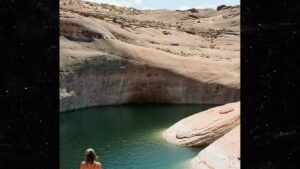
[125,137]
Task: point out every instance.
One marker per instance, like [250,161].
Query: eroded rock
[224,153]
[103,64]
[204,127]
[221,7]
[226,110]
[193,10]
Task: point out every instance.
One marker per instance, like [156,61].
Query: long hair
[90,156]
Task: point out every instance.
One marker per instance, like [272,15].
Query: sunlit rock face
[204,127]
[224,153]
[112,57]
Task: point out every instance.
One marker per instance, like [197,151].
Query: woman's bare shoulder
[98,164]
[82,165]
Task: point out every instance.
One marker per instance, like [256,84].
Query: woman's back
[95,165]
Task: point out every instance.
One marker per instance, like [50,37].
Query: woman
[90,160]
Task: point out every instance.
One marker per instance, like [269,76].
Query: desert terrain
[112,55]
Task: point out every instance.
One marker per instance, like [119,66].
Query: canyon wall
[107,58]
[108,80]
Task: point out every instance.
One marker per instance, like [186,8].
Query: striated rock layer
[224,153]
[204,127]
[109,57]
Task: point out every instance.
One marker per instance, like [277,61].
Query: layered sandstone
[224,153]
[115,57]
[204,127]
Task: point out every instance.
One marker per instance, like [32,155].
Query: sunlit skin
[95,165]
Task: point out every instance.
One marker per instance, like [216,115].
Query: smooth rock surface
[224,153]
[204,127]
[109,58]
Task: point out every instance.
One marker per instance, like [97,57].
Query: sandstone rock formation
[115,55]
[204,127]
[221,7]
[193,10]
[224,153]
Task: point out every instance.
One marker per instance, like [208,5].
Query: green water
[125,137]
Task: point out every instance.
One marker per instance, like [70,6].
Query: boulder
[224,153]
[193,10]
[221,7]
[204,127]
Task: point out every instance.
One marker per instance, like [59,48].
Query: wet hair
[90,156]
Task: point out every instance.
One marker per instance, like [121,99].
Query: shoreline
[211,152]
